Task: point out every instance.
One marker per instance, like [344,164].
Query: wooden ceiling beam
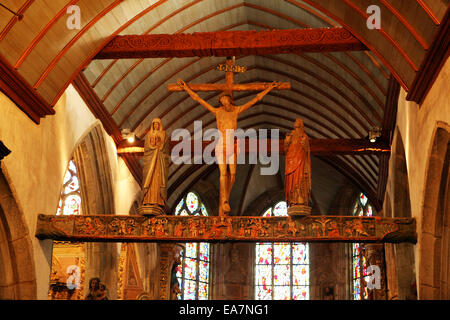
[319,147]
[230,43]
[433,62]
[13,85]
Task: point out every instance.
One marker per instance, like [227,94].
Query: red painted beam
[230,43]
[13,85]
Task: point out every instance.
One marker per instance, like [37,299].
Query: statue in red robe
[298,166]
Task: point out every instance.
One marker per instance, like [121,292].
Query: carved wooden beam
[230,43]
[13,85]
[117,228]
[319,147]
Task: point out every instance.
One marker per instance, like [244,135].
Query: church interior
[91,208]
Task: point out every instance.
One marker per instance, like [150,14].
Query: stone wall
[424,156]
[35,168]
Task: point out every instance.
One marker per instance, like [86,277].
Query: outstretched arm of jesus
[195,96]
[258,97]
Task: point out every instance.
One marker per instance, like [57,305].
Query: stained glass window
[193,272]
[70,200]
[359,262]
[68,260]
[281,269]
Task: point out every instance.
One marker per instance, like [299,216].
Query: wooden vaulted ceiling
[338,94]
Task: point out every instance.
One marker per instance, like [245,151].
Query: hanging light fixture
[374,133]
[127,134]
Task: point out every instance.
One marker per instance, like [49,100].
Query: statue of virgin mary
[156,161]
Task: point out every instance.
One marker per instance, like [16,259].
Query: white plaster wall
[417,126]
[37,163]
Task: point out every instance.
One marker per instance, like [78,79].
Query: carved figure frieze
[226,228]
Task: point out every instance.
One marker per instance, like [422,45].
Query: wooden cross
[229,86]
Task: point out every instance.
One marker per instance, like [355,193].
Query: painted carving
[174,285]
[97,290]
[219,228]
[122,226]
[92,226]
[168,259]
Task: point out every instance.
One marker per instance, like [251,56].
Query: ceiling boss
[226,118]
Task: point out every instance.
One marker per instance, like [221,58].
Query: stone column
[329,271]
[232,277]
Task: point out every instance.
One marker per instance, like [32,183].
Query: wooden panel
[348,16]
[434,8]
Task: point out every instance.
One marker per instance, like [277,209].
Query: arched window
[70,200]
[281,269]
[362,208]
[193,272]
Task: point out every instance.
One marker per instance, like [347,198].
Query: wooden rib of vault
[165,228]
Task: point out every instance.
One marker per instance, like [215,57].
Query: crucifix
[226,118]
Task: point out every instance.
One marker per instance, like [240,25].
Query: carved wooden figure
[226,118]
[156,162]
[298,170]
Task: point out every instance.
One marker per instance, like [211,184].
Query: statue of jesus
[226,118]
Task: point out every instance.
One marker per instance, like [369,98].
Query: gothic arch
[17,271]
[264,201]
[434,239]
[401,202]
[91,158]
[344,201]
[402,277]
[94,171]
